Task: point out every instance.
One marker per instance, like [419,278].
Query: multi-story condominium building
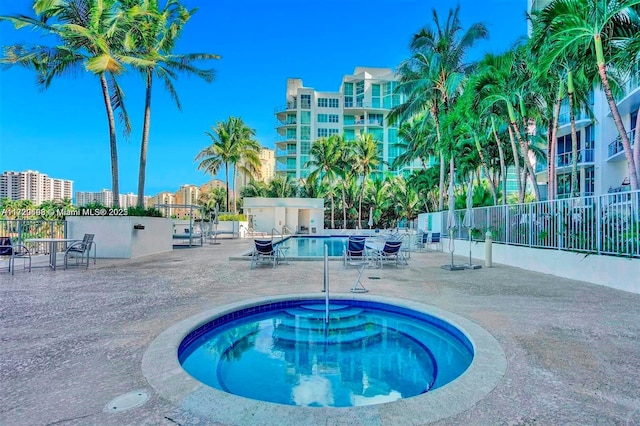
[164,201]
[602,166]
[360,106]
[34,186]
[265,173]
[105,197]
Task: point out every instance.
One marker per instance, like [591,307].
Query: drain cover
[127,401]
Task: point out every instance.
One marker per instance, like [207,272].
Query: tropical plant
[232,146]
[90,35]
[365,159]
[152,37]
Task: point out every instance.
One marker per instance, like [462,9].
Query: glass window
[359,101]
[349,119]
[376,119]
[334,103]
[375,102]
[589,180]
[322,132]
[377,134]
[323,118]
[305,101]
[360,87]
[392,135]
[305,117]
[334,131]
[348,101]
[305,148]
[375,90]
[305,133]
[334,118]
[323,102]
[349,135]
[291,133]
[348,88]
[634,117]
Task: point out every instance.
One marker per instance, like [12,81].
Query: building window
[323,102]
[305,148]
[349,135]
[348,101]
[360,87]
[291,133]
[333,118]
[323,133]
[323,118]
[589,180]
[305,117]
[305,133]
[334,103]
[333,131]
[348,88]
[305,101]
[349,119]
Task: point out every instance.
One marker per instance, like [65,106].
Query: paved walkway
[71,341]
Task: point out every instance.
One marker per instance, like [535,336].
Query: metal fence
[22,229]
[605,224]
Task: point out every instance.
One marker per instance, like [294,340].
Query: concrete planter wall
[616,272]
[116,236]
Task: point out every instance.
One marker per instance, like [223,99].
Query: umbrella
[469,220]
[370,217]
[451,225]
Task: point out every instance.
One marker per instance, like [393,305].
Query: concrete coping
[163,371]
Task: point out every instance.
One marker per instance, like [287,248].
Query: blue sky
[62,131]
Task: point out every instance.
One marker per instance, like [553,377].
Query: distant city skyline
[62,131]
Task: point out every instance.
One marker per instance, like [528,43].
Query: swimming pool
[311,247]
[369,353]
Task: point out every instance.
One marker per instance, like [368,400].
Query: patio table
[53,246]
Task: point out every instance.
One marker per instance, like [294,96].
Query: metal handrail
[274,231]
[286,228]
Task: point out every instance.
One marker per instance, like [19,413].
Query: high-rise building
[34,186]
[360,106]
[602,165]
[265,173]
[104,197]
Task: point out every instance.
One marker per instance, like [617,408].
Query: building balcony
[289,106]
[354,123]
[285,122]
[284,168]
[631,96]
[284,138]
[285,152]
[585,157]
[616,151]
[361,106]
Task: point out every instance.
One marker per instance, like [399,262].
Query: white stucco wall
[270,213]
[615,272]
[116,238]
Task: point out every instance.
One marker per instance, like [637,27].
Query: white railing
[605,224]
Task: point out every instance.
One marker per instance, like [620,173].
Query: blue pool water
[313,246]
[284,353]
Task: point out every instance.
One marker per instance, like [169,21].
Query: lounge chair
[355,250]
[391,252]
[264,252]
[434,240]
[78,250]
[13,252]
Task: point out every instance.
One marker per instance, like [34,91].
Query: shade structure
[370,223]
[469,221]
[451,226]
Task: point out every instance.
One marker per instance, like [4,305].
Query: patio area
[73,340]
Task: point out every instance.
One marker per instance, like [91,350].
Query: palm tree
[431,79]
[232,143]
[365,160]
[90,34]
[599,31]
[154,33]
[325,163]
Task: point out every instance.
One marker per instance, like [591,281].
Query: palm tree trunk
[436,120]
[226,179]
[636,144]
[575,190]
[234,190]
[551,157]
[516,164]
[115,190]
[503,167]
[492,184]
[344,209]
[527,161]
[333,225]
[145,139]
[624,138]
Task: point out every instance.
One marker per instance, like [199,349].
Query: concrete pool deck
[74,340]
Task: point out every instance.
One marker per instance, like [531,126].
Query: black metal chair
[78,250]
[13,252]
[264,252]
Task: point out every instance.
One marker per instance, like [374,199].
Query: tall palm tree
[365,157]
[232,143]
[437,69]
[152,37]
[325,164]
[599,31]
[90,35]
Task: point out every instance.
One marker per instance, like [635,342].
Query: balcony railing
[564,117]
[362,105]
[616,146]
[284,138]
[566,159]
[288,105]
[289,122]
[285,152]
